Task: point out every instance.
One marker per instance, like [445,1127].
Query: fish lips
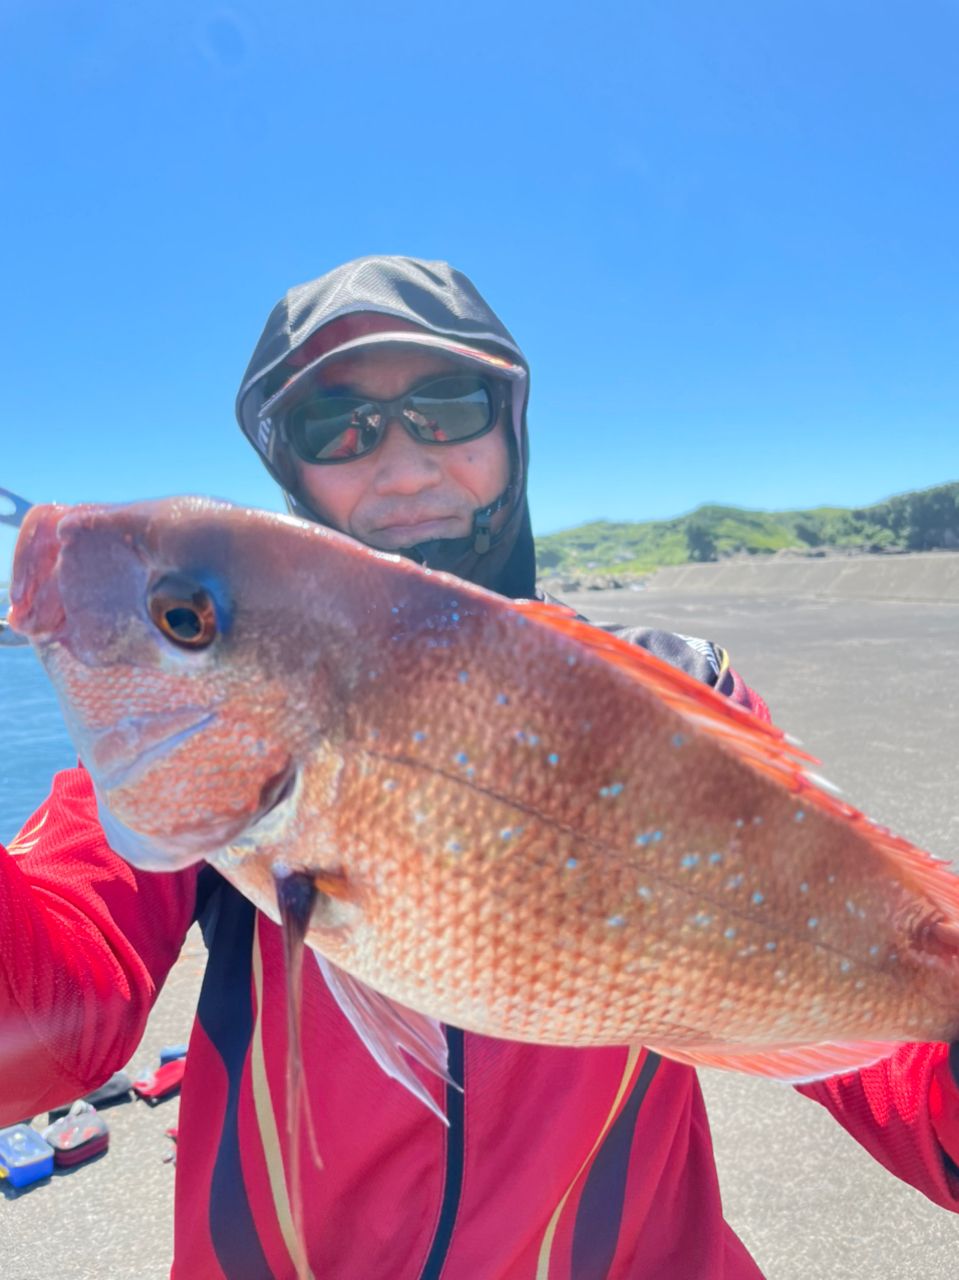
[36,609]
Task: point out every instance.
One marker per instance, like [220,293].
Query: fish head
[189,682]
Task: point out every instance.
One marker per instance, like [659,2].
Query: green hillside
[920,521]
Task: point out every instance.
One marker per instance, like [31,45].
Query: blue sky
[724,235]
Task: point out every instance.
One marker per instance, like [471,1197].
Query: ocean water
[33,739]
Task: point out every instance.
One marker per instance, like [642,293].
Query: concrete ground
[869,686]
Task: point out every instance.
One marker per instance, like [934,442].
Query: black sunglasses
[330,427]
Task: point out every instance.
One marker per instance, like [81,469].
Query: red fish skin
[538,833]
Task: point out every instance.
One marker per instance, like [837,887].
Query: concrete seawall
[930,576]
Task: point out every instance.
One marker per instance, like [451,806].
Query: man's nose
[404,465]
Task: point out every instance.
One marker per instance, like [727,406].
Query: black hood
[440,301]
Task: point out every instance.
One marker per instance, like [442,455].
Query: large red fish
[514,823]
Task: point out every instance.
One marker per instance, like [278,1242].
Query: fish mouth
[121,754]
[36,609]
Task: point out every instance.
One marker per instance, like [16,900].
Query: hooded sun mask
[403,303]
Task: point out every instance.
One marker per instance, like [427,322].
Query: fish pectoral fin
[793,1063]
[390,1031]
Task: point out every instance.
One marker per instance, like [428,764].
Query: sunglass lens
[450,409]
[334,428]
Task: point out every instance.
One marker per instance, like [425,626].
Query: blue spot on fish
[644,892]
[730,933]
[758,898]
[799,816]
[812,922]
[502,699]
[734,881]
[689,860]
[649,837]
[463,677]
[804,887]
[454,846]
[461,757]
[678,740]
[614,789]
[770,946]
[715,858]
[553,758]
[572,864]
[616,922]
[419,736]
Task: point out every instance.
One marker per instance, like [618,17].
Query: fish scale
[515,823]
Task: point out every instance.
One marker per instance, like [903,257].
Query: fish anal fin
[391,1032]
[793,1064]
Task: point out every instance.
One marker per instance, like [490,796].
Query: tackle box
[24,1156]
[79,1136]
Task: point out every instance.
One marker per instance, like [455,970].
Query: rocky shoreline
[608,580]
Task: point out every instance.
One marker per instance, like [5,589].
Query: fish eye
[184,611]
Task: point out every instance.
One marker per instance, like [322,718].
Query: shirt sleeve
[86,942]
[905,1111]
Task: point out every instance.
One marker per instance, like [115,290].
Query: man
[389,401]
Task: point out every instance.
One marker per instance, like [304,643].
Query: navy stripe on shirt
[600,1210]
[225,1012]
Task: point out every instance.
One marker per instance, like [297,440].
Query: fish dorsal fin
[793,1064]
[687,695]
[767,749]
[389,1030]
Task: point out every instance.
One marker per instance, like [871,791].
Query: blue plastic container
[24,1155]
[170,1053]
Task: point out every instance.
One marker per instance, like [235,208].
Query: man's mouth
[408,533]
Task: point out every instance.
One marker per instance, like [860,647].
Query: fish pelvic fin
[392,1033]
[792,1064]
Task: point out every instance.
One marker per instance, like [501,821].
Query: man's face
[404,492]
